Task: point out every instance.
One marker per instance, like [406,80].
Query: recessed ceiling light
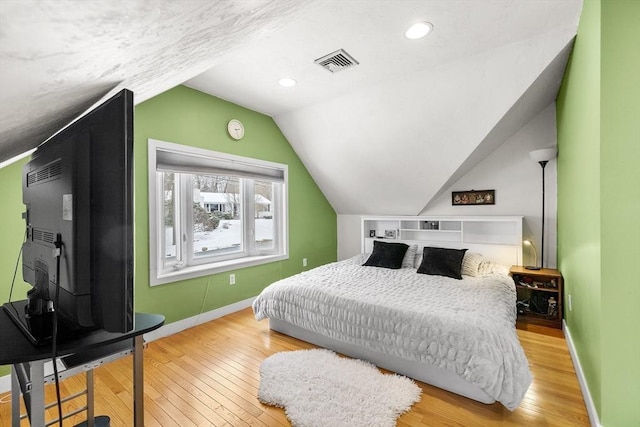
[287,82]
[418,30]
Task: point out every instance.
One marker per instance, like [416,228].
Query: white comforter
[465,326]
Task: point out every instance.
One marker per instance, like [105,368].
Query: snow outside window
[211,212]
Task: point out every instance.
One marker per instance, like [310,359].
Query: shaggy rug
[319,388]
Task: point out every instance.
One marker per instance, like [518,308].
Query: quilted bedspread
[464,326]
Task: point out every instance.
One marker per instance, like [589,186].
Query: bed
[456,334]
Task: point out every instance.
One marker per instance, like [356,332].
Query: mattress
[464,326]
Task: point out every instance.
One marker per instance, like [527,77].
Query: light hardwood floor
[208,376]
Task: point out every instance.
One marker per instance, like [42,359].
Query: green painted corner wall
[620,212]
[186,116]
[578,124]
[189,117]
[11,230]
[11,234]
[599,204]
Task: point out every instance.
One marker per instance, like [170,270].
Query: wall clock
[235,129]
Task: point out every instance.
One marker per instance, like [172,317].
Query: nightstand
[540,295]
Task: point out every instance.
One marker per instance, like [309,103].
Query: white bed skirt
[426,373]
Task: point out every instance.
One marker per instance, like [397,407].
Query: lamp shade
[543,155]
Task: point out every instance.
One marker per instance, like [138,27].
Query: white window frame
[189,267]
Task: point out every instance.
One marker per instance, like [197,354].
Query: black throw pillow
[442,262]
[386,255]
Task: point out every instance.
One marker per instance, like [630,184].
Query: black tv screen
[78,190]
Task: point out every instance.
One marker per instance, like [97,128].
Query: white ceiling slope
[390,149]
[59,57]
[535,99]
[382,137]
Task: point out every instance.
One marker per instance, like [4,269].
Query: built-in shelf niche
[457,232]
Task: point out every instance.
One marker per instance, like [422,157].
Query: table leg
[36,377]
[138,381]
[15,398]
[90,397]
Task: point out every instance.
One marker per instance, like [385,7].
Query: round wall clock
[235,129]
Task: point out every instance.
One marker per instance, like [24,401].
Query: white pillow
[418,261]
[409,257]
[490,268]
[471,264]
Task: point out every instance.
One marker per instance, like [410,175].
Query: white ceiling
[383,137]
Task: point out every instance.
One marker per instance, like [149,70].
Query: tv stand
[80,353]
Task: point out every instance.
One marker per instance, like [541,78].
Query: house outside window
[211,212]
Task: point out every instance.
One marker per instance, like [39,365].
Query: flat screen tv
[78,193]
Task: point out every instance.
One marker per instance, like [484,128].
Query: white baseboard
[586,394]
[198,319]
[171,328]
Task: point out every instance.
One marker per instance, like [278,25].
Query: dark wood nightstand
[540,295]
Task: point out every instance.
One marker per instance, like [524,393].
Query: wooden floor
[208,375]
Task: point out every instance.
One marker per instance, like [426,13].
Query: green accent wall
[620,212]
[578,122]
[599,204]
[12,229]
[189,117]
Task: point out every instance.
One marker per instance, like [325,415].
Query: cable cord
[15,270]
[206,292]
[54,334]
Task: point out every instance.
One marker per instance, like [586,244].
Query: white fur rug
[319,388]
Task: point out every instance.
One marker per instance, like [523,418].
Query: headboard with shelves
[498,238]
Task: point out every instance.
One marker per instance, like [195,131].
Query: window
[210,212]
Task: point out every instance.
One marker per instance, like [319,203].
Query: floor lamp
[542,157]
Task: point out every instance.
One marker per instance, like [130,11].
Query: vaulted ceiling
[384,136]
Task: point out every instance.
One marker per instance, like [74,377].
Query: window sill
[214,268]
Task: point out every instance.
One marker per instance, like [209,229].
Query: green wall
[11,234]
[578,122]
[186,116]
[599,204]
[620,211]
[12,228]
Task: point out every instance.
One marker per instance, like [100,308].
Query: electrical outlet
[570,302]
[232,279]
[304,262]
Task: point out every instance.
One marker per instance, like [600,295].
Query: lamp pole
[542,157]
[543,163]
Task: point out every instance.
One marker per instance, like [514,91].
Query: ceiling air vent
[336,61]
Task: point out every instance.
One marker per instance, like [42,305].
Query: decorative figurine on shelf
[552,309]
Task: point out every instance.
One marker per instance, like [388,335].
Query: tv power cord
[54,333]
[15,270]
